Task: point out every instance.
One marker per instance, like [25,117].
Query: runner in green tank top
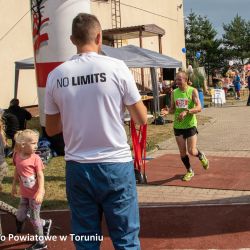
[185,104]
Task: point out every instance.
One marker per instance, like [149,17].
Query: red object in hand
[139,145]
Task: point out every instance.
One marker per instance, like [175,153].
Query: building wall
[164,13]
[16,44]
[16,37]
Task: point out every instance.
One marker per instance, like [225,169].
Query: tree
[236,38]
[200,36]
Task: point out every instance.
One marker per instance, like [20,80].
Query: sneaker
[19,226]
[37,246]
[188,176]
[204,161]
[46,227]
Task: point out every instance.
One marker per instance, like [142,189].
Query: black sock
[186,162]
[199,155]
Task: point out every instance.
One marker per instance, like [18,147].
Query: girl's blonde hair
[23,136]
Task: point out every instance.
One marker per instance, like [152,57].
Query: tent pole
[142,70]
[16,81]
[155,91]
[160,51]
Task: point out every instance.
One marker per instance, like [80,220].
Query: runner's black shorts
[188,132]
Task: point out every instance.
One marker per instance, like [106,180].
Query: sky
[218,11]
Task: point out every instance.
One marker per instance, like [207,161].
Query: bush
[197,79]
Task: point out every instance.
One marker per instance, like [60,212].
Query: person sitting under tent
[11,125]
[22,114]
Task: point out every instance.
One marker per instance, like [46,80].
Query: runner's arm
[197,103]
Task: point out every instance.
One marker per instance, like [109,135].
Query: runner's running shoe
[204,161]
[46,227]
[188,176]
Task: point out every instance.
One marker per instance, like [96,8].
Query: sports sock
[186,162]
[199,155]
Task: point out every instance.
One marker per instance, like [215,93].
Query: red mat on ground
[231,173]
[162,228]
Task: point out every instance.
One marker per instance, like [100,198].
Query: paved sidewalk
[227,135]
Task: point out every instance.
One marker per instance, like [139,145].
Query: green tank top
[183,101]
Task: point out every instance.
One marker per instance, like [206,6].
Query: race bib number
[181,103]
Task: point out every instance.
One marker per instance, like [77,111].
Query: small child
[3,164]
[29,173]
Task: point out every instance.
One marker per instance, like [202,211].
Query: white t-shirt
[90,92]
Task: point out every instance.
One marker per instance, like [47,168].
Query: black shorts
[188,132]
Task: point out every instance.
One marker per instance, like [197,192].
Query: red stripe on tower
[43,69]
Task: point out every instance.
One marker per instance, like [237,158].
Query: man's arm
[138,112]
[197,103]
[53,125]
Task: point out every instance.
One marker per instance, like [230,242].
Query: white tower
[52,21]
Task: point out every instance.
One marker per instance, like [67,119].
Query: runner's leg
[192,145]
[194,151]
[181,142]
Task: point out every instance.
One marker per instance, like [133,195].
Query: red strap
[139,145]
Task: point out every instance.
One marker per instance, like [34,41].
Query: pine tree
[200,37]
[236,38]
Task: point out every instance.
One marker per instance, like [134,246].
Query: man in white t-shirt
[85,99]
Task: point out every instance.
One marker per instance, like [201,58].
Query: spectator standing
[168,91]
[237,84]
[226,84]
[89,111]
[160,85]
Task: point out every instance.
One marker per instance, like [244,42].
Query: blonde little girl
[3,164]
[29,174]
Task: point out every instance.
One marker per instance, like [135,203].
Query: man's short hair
[85,28]
[183,74]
